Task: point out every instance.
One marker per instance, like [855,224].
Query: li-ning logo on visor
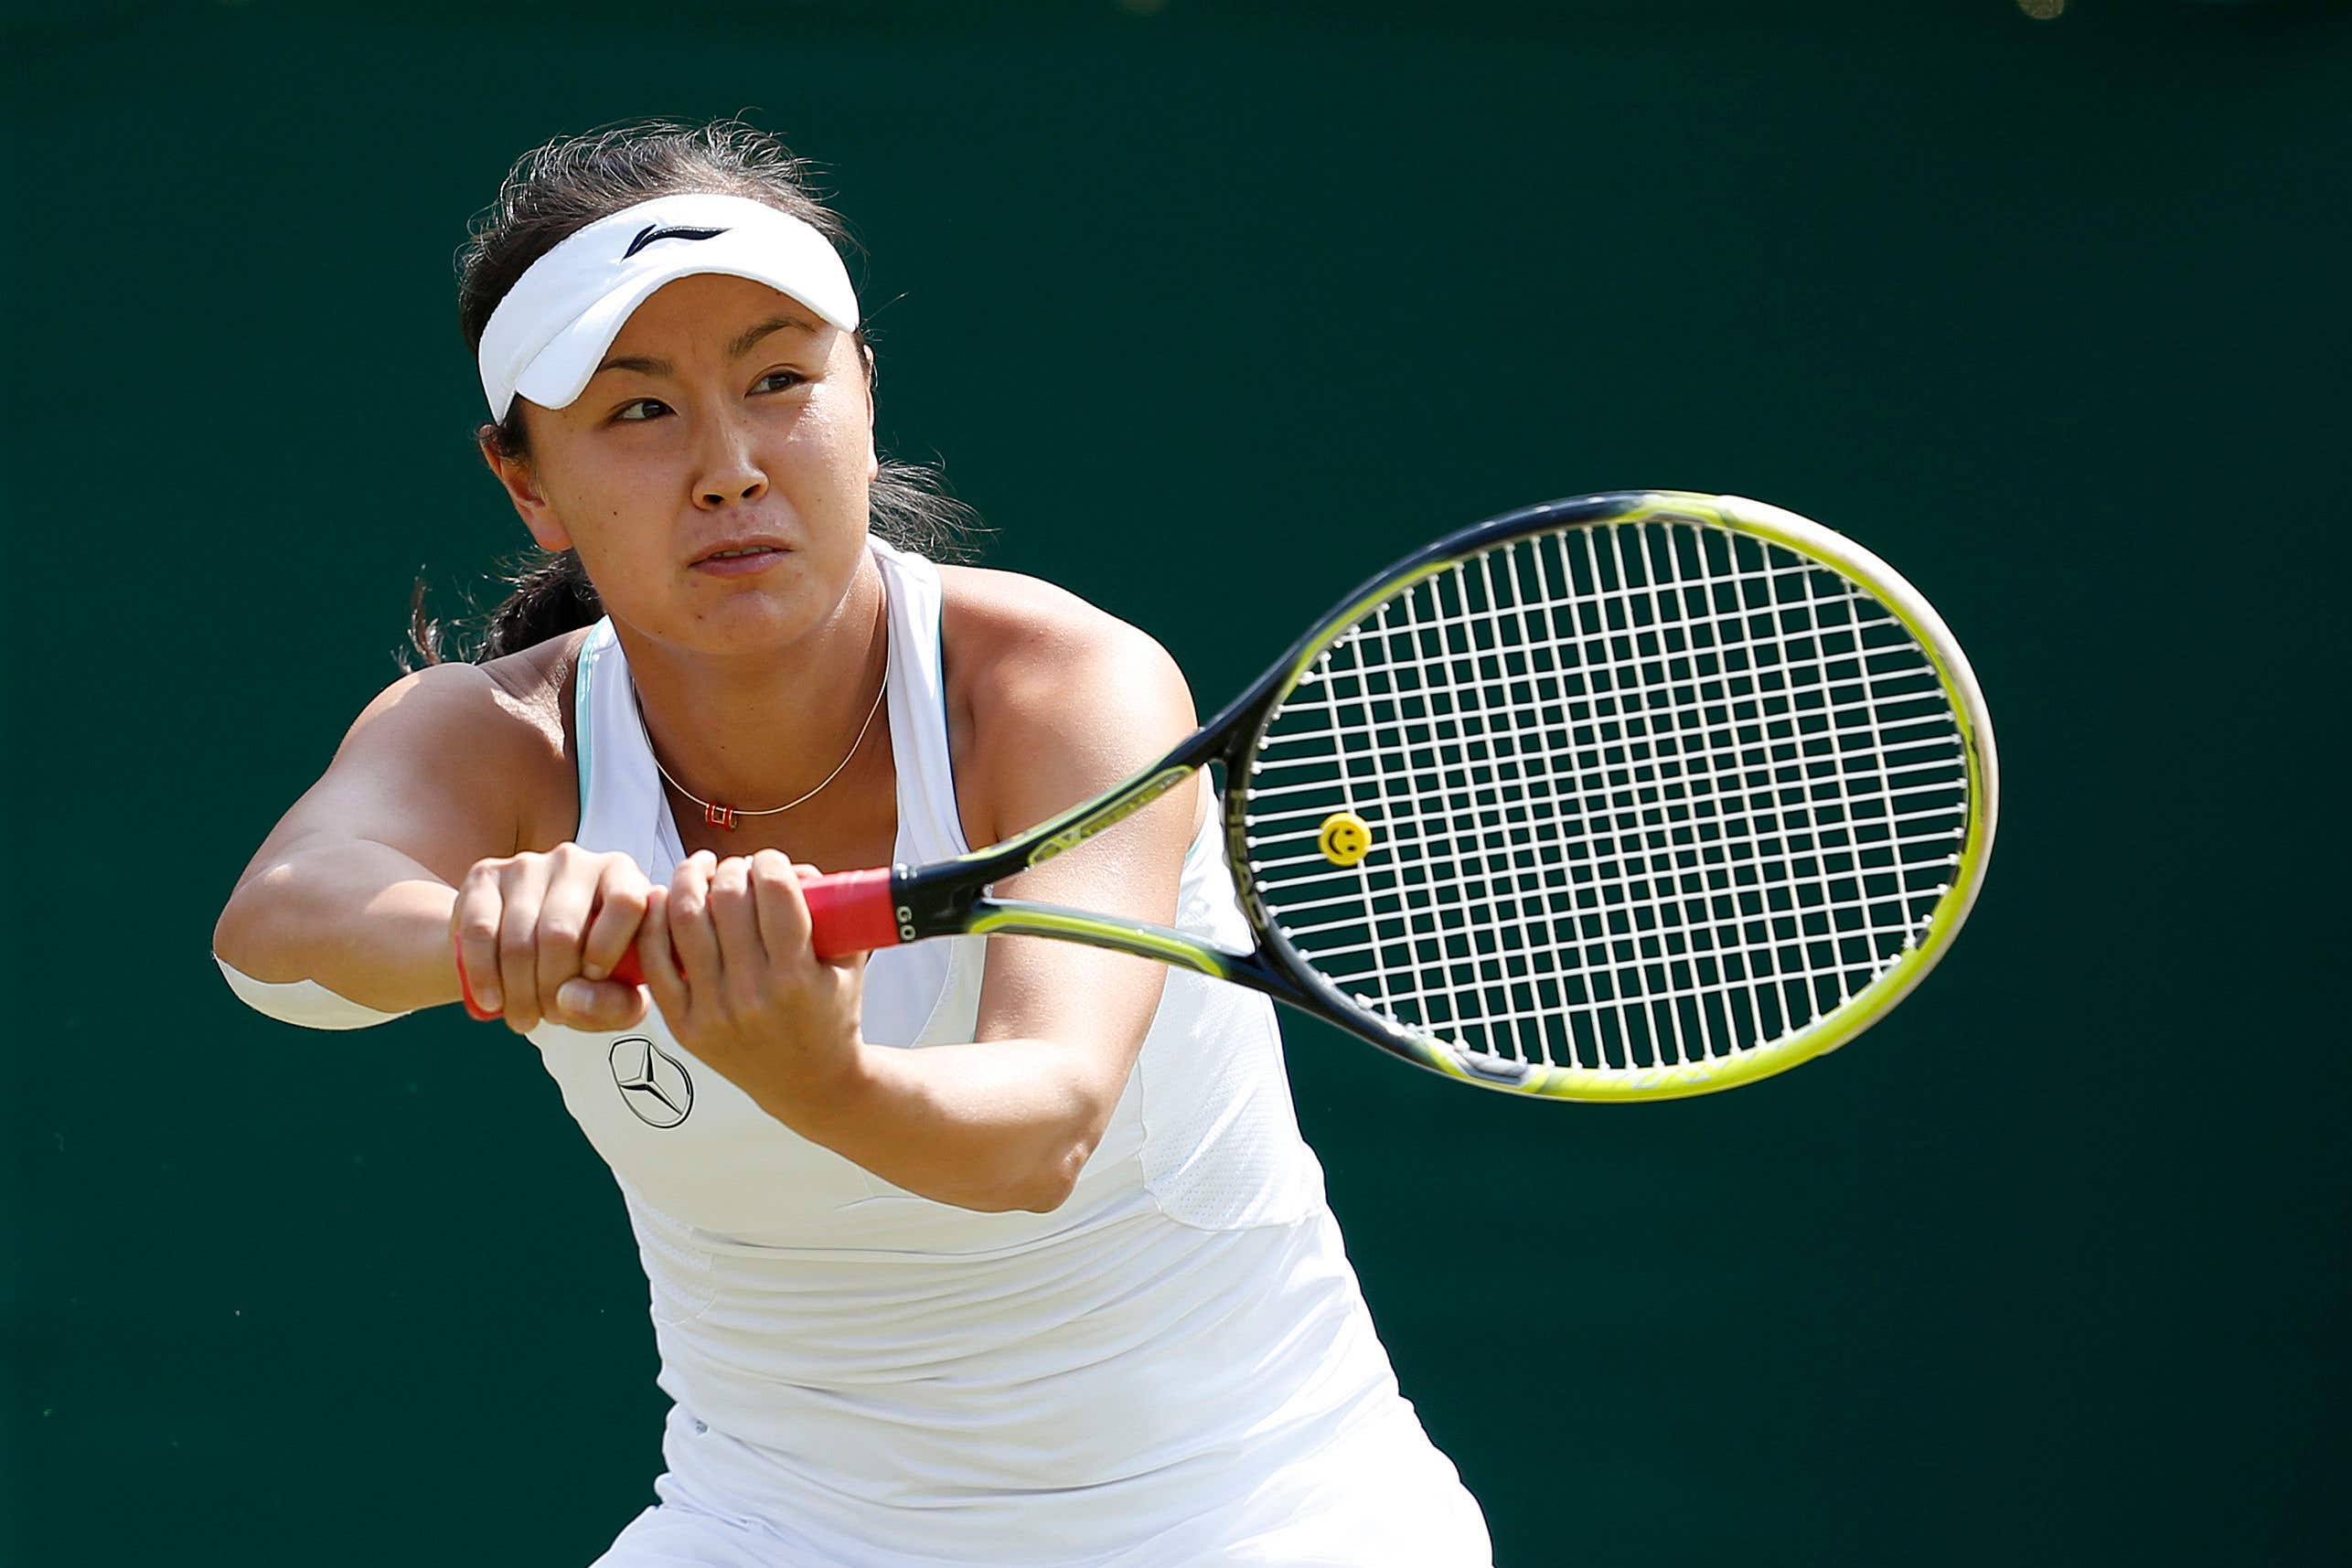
[653,1084]
[652,231]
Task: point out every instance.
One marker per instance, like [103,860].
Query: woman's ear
[873,458]
[521,483]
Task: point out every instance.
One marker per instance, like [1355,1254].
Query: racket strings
[1638,796]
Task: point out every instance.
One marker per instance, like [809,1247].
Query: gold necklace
[725,817]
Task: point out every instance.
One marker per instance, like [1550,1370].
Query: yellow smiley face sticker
[1345,838]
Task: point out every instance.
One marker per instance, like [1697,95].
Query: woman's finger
[775,892]
[660,960]
[475,920]
[732,911]
[521,885]
[596,1007]
[691,936]
[742,955]
[620,910]
[563,910]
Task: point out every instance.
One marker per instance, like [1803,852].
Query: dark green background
[1209,311]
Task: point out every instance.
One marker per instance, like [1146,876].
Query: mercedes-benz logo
[652,1084]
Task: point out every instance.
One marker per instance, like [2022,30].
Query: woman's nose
[731,472]
[719,491]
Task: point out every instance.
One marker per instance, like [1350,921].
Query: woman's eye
[642,410]
[779,380]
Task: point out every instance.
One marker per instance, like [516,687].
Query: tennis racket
[1628,797]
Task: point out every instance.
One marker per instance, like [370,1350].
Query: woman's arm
[355,891]
[1008,1120]
[1011,1117]
[353,888]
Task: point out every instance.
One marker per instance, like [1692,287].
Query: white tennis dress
[1175,1367]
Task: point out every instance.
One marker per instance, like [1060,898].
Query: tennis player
[976,1250]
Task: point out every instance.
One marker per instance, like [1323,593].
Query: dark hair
[556,189]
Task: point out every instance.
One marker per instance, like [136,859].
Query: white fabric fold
[304,1003]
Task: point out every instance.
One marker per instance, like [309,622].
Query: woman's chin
[744,620]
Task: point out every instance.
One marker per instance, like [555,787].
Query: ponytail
[551,595]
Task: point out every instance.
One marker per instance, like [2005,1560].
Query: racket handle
[849,911]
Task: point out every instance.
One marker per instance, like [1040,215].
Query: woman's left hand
[726,956]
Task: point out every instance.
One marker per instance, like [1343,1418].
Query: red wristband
[474,1009]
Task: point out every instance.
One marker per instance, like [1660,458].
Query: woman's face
[726,417]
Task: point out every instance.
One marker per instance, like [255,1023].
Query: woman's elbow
[1034,1186]
[1051,1185]
[242,937]
[1052,1180]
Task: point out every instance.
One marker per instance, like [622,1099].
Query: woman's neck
[752,734]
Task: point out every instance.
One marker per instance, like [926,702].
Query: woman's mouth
[741,561]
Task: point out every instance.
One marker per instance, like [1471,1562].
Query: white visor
[551,332]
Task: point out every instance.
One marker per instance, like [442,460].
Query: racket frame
[953,898]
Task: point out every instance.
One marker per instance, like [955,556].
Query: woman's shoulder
[532,687]
[1047,691]
[505,718]
[1017,637]
[516,700]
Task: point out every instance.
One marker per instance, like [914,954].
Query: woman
[972,1252]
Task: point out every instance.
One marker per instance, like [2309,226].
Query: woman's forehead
[713,311]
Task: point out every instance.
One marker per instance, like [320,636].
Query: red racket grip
[849,911]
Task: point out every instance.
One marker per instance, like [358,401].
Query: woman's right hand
[538,935]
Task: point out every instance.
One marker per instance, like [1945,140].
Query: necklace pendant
[722,816]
